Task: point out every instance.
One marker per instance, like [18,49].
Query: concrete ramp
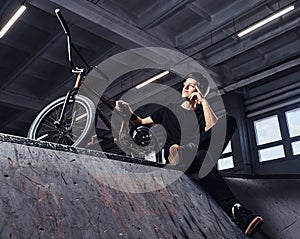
[51,191]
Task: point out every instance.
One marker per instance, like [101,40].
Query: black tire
[144,137]
[78,122]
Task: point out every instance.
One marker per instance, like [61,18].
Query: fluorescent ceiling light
[12,20]
[266,20]
[160,75]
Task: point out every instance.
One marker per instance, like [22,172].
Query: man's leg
[213,183]
[217,187]
[230,129]
[222,132]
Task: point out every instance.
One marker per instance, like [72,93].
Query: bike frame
[80,75]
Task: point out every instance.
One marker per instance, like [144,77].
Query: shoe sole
[254,225]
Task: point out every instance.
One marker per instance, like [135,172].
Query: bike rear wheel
[77,123]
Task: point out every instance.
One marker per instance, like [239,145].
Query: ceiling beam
[117,11]
[160,11]
[20,101]
[242,46]
[104,23]
[236,9]
[196,9]
[33,56]
[260,76]
[107,25]
[7,10]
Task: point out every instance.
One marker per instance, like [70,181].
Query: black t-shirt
[182,126]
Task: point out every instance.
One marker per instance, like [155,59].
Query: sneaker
[246,220]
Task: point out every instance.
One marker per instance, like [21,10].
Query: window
[271,153]
[225,163]
[296,148]
[226,160]
[293,123]
[292,118]
[228,148]
[277,136]
[267,130]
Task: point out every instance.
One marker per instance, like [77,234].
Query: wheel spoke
[75,124]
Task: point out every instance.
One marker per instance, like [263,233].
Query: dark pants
[214,182]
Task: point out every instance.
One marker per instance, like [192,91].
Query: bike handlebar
[62,21]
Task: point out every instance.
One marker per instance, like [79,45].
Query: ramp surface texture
[47,193]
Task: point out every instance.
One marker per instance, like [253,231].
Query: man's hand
[196,98]
[123,107]
[174,155]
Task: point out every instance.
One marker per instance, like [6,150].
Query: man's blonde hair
[202,82]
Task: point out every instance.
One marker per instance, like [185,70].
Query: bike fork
[70,94]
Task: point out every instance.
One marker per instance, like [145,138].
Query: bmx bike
[70,120]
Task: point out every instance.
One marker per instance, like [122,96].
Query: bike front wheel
[77,122]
